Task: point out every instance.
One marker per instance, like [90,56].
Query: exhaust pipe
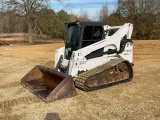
[49,84]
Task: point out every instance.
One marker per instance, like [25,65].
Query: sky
[75,6]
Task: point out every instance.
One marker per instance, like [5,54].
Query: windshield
[71,40]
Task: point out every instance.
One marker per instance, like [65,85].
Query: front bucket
[49,84]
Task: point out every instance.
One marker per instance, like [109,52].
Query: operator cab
[82,34]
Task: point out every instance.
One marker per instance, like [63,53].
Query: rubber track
[81,79]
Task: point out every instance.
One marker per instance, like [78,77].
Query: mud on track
[138,99]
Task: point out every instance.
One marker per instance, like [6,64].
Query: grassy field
[135,100]
[22,38]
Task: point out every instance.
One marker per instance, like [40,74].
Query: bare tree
[103,13]
[83,15]
[28,9]
[132,7]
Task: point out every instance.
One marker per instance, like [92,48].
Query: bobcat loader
[94,56]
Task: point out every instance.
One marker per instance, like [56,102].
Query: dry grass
[22,38]
[137,100]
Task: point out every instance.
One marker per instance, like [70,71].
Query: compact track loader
[94,56]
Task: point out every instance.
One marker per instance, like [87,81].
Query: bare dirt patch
[138,99]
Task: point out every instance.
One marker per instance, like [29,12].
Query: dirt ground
[135,100]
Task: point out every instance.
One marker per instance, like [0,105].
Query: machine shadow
[52,116]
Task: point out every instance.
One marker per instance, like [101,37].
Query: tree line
[47,22]
[143,14]
[33,16]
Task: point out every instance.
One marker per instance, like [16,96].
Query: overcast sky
[92,6]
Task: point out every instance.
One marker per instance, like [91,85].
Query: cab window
[91,35]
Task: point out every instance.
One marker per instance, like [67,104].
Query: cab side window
[91,35]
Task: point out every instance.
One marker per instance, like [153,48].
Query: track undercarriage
[113,72]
